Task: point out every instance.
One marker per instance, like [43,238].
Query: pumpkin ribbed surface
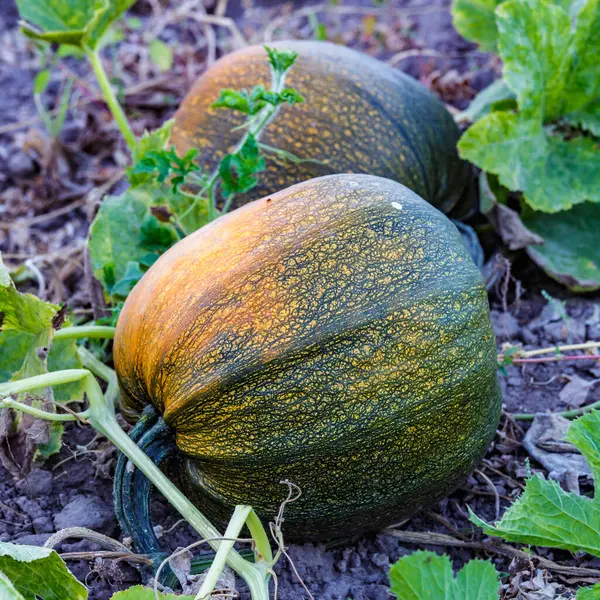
[336,334]
[359,116]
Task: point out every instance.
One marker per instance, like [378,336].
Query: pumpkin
[335,334]
[359,116]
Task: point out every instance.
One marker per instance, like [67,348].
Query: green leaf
[54,444]
[534,41]
[570,253]
[550,67]
[39,573]
[41,81]
[8,590]
[281,60]
[114,238]
[484,102]
[160,165]
[554,174]
[428,576]
[546,515]
[234,100]
[139,592]
[23,312]
[585,434]
[587,593]
[132,275]
[582,89]
[161,55]
[153,140]
[476,21]
[125,231]
[237,170]
[587,117]
[80,23]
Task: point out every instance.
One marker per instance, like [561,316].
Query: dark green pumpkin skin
[335,334]
[359,116]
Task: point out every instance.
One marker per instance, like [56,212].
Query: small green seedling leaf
[78,23]
[161,55]
[251,104]
[428,576]
[546,515]
[281,60]
[237,170]
[160,165]
[139,592]
[152,141]
[39,573]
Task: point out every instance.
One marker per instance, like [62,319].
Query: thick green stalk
[85,331]
[102,417]
[111,99]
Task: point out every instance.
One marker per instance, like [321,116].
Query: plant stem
[567,414]
[98,368]
[551,350]
[85,331]
[232,532]
[40,414]
[547,359]
[102,417]
[111,99]
[260,537]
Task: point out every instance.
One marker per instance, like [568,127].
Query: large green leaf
[476,21]
[546,515]
[79,23]
[551,67]
[554,174]
[534,39]
[125,231]
[39,573]
[592,593]
[140,592]
[115,235]
[428,576]
[571,252]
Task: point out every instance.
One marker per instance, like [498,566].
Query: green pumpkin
[335,334]
[359,116]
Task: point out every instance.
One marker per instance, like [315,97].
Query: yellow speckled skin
[336,334]
[360,116]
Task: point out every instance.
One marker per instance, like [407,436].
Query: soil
[49,190]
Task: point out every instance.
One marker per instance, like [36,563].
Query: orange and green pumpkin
[335,334]
[359,116]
